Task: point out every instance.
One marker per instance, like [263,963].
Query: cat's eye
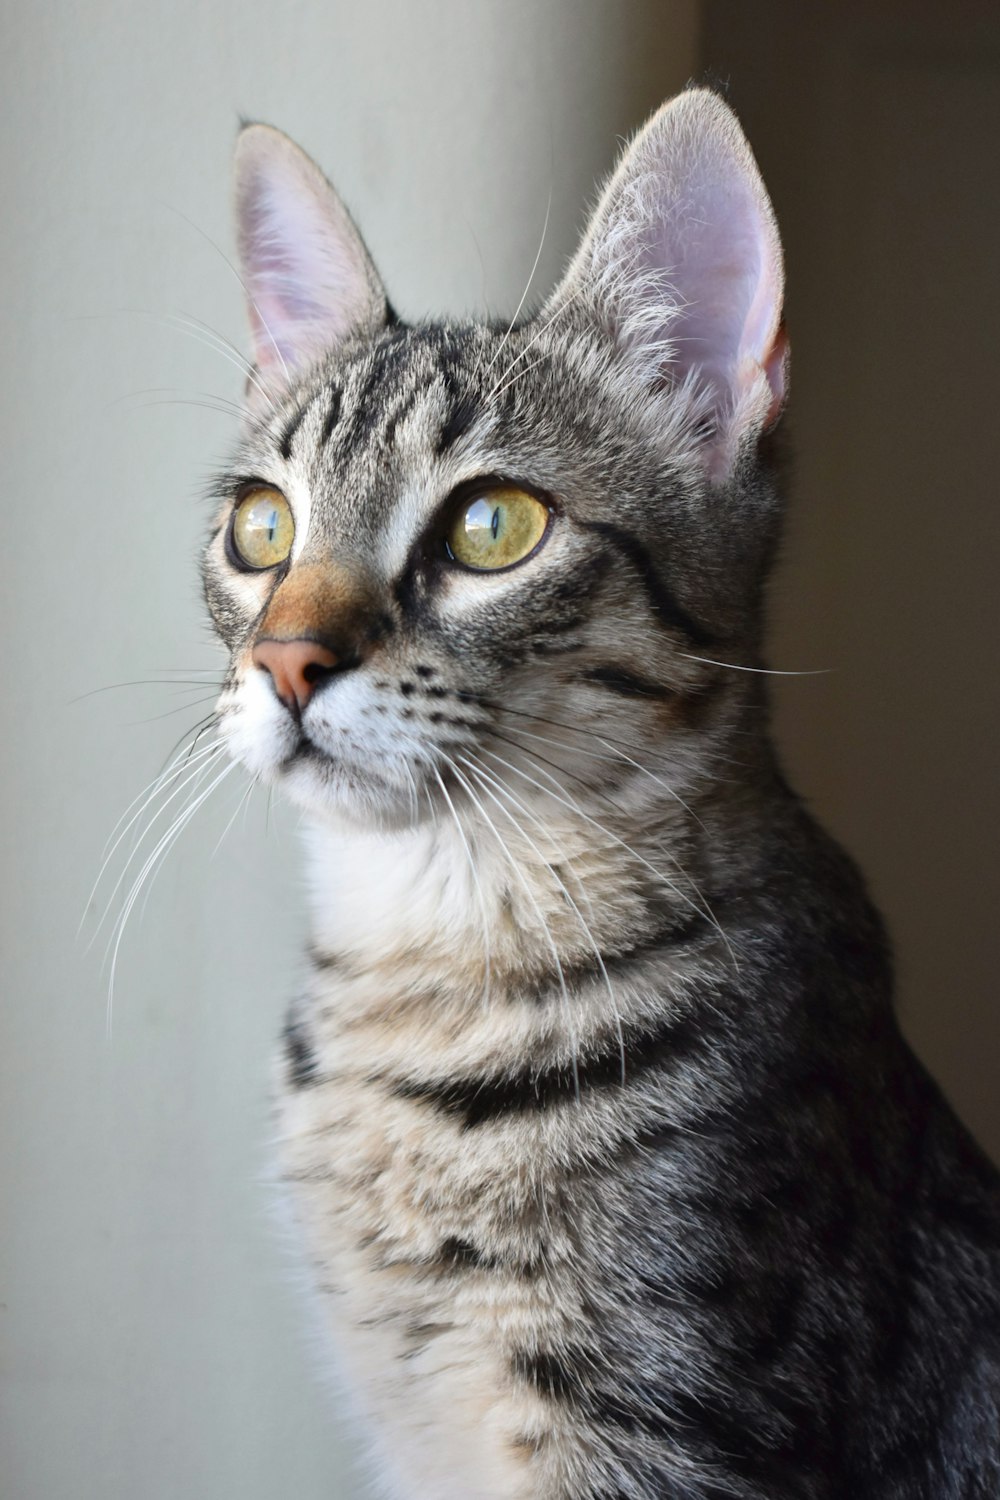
[496,528]
[263,529]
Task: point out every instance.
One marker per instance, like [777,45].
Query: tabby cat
[616,1177]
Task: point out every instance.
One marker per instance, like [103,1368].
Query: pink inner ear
[683,263]
[309,280]
[287,323]
[719,250]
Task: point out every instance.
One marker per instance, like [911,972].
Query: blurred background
[153,1341]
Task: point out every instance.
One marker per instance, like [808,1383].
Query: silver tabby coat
[617,1179]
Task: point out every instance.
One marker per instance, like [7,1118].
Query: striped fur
[616,1177]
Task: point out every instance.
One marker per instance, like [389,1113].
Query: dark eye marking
[672,614]
[627,684]
[332,416]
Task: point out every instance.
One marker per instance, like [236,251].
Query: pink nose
[297,668]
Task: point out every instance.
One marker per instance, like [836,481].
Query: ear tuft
[309,279]
[682,267]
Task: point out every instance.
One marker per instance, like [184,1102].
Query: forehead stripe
[399,414]
[385,374]
[285,445]
[463,412]
[332,416]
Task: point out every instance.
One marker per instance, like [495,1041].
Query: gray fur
[616,1175]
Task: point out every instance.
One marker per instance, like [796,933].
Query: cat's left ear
[309,280]
[681,268]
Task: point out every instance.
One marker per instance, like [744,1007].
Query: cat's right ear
[309,280]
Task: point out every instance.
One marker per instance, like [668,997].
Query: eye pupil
[495,523]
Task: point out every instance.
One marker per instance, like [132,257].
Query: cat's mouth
[304,750]
[323,779]
[330,763]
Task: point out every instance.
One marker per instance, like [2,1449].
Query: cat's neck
[376,896]
[492,895]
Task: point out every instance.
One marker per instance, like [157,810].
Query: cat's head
[445,548]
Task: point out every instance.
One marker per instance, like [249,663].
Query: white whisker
[194,777]
[540,761]
[149,870]
[530,344]
[464,781]
[521,713]
[221,347]
[246,290]
[207,399]
[161,776]
[243,804]
[703,910]
[762,671]
[481,774]
[616,754]
[531,276]
[199,760]
[519,375]
[479,889]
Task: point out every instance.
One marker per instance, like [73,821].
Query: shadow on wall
[878,132]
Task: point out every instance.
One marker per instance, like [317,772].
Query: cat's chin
[339,794]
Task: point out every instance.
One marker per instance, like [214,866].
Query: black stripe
[558,1376]
[456,1254]
[481,1100]
[674,932]
[399,414]
[303,1065]
[627,684]
[671,613]
[419,1334]
[462,413]
[332,417]
[383,377]
[324,960]
[285,446]
[548,648]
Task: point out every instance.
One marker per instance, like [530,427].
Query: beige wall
[151,1343]
[878,131]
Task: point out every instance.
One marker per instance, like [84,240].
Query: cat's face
[442,551]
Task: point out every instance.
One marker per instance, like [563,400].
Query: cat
[616,1177]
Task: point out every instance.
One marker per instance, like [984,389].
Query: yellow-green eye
[263,528]
[497,528]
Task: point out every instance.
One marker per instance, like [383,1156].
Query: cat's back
[818,1275]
